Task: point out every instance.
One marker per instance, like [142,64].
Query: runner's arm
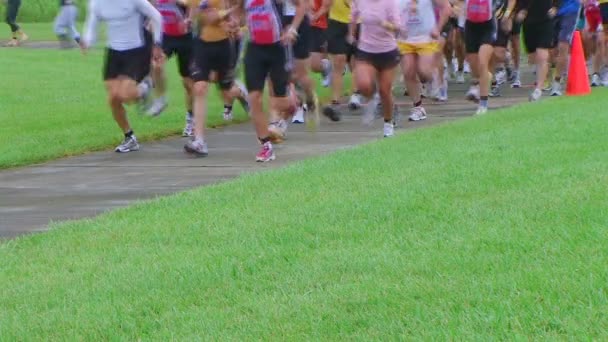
[352,25]
[90,27]
[154,17]
[301,10]
[445,12]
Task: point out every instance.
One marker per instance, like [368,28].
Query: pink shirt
[373,37]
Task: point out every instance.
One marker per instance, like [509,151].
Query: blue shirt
[567,7]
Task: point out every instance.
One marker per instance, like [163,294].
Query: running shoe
[128,145]
[535,95]
[298,117]
[556,89]
[494,91]
[460,78]
[277,131]
[143,104]
[501,77]
[12,43]
[417,114]
[481,110]
[157,107]
[595,80]
[355,102]
[389,129]
[197,147]
[467,68]
[331,111]
[473,93]
[189,128]
[266,154]
[516,83]
[443,94]
[370,110]
[227,114]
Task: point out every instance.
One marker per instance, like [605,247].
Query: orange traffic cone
[578,81]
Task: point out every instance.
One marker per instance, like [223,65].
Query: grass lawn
[54,105]
[490,228]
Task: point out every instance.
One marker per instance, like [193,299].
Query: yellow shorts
[418,48]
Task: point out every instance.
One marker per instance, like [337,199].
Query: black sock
[129,134]
[229,107]
[483,98]
[264,140]
[418,104]
[388,120]
[189,114]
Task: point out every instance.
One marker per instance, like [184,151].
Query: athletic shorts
[213,56]
[134,63]
[594,19]
[420,49]
[336,39]
[478,34]
[381,61]
[516,28]
[181,46]
[538,35]
[303,45]
[604,13]
[237,49]
[502,38]
[564,27]
[262,61]
[318,39]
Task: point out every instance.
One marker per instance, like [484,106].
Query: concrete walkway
[88,185]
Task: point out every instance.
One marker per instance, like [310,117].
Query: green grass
[490,228]
[54,105]
[43,31]
[40,10]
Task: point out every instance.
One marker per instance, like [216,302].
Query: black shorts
[538,35]
[133,64]
[181,46]
[262,61]
[381,61]
[303,45]
[516,29]
[213,56]
[336,39]
[604,13]
[478,34]
[502,38]
[237,47]
[318,39]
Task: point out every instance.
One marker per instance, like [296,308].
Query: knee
[365,87]
[200,89]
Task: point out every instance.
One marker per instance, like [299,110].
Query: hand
[350,39]
[289,36]
[435,32]
[506,24]
[521,15]
[552,12]
[387,25]
[158,56]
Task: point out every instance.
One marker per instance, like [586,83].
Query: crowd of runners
[420,43]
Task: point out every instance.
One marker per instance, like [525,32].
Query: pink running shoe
[266,154]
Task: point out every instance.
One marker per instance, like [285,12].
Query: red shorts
[594,18]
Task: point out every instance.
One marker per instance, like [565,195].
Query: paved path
[88,185]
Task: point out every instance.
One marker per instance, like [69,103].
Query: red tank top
[322,21]
[173,18]
[263,21]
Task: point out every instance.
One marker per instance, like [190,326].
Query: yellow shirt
[340,11]
[211,32]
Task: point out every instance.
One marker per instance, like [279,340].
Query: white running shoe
[298,117]
[370,110]
[460,77]
[128,145]
[244,97]
[473,93]
[389,129]
[556,89]
[189,128]
[354,102]
[467,68]
[443,94]
[197,147]
[595,80]
[481,110]
[157,107]
[501,77]
[417,114]
[535,95]
[516,81]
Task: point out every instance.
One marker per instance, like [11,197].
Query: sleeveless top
[173,18]
[263,21]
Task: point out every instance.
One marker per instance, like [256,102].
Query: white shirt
[125,23]
[417,21]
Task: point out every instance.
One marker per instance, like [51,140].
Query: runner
[480,35]
[499,58]
[177,41]
[513,70]
[128,55]
[419,32]
[12,10]
[591,36]
[213,53]
[340,52]
[65,23]
[377,55]
[267,56]
[538,26]
[567,17]
[318,22]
